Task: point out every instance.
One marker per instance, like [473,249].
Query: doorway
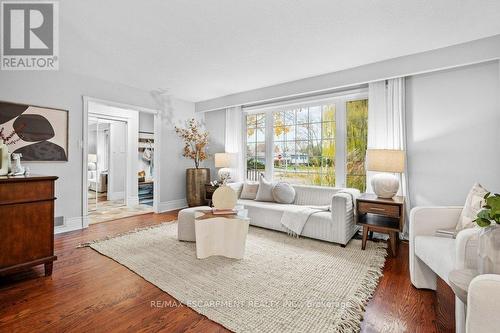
[116,157]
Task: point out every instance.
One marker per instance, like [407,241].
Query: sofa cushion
[473,204]
[249,191]
[283,193]
[436,252]
[268,215]
[265,191]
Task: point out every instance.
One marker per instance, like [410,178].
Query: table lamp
[223,161]
[385,184]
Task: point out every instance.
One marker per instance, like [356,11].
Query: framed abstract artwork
[38,133]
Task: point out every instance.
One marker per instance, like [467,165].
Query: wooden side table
[209,191]
[381,215]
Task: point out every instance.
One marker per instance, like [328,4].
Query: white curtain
[387,126]
[234,139]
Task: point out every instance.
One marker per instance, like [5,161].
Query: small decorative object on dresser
[195,144]
[381,215]
[388,161]
[27,222]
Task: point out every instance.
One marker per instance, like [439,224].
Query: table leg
[365,237]
[48,268]
[394,243]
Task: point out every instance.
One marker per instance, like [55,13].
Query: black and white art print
[38,133]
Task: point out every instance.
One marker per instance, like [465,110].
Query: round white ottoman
[185,224]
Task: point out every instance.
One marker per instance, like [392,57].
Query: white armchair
[432,256]
[482,304]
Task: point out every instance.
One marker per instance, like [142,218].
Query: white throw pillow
[249,191]
[473,204]
[265,192]
[283,193]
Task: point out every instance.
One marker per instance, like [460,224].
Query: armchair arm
[466,245]
[424,221]
[482,304]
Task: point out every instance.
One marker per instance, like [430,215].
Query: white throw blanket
[295,218]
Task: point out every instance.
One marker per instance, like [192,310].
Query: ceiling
[199,50]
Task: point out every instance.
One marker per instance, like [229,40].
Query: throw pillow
[249,191]
[473,204]
[283,193]
[265,192]
[237,187]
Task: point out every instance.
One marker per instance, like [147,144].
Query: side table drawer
[374,208]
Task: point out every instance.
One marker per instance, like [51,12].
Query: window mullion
[340,143]
[269,145]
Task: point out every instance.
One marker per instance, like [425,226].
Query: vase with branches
[195,141]
[195,145]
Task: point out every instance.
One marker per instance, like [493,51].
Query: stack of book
[224,211]
[447,233]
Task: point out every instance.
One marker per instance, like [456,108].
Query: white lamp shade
[385,160]
[223,160]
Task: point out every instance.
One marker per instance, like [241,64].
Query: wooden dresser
[26,222]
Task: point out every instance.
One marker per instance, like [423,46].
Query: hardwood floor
[89,292]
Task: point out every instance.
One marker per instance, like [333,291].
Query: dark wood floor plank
[89,292]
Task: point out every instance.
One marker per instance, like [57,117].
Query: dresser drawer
[374,208]
[18,192]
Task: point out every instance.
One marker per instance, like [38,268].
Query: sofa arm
[343,214]
[482,304]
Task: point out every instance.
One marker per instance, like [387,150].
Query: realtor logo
[30,35]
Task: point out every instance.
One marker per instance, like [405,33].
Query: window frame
[339,99]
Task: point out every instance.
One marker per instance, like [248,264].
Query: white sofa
[337,225]
[432,256]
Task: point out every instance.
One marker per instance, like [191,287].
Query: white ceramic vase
[385,185]
[4,159]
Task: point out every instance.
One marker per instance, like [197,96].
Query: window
[256,145]
[318,143]
[304,145]
[356,142]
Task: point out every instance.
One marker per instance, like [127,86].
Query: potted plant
[195,144]
[489,238]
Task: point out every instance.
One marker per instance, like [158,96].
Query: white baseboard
[133,200]
[171,205]
[71,224]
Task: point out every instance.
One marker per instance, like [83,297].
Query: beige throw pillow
[473,204]
[265,192]
[283,193]
[249,191]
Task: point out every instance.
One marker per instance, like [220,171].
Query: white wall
[453,124]
[173,165]
[215,122]
[146,122]
[65,90]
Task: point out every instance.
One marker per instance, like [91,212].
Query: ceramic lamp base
[385,185]
[224,174]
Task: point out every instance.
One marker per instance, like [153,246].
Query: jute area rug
[283,284]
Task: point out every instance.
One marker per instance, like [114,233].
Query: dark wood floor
[89,292]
